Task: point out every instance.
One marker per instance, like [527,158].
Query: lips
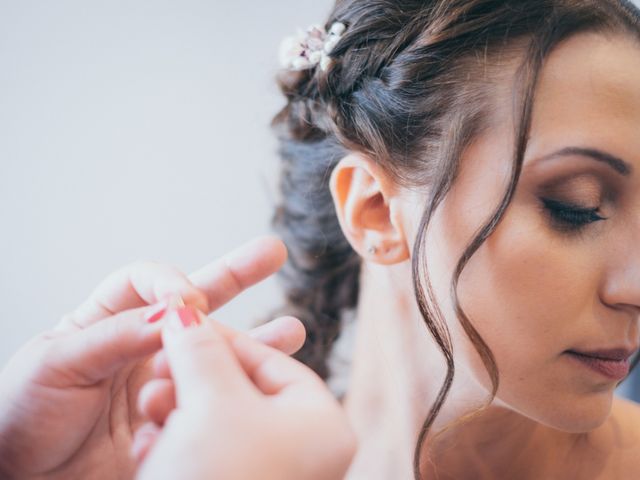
[612,363]
[614,354]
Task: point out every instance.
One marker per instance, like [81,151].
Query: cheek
[526,290]
[529,292]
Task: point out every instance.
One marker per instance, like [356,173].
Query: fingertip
[144,395]
[271,370]
[269,250]
[160,366]
[286,334]
[278,246]
[157,399]
[184,318]
[295,325]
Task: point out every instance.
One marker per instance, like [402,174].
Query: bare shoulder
[625,422]
[627,414]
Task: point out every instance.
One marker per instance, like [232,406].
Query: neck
[396,373]
[391,373]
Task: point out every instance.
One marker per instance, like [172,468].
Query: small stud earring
[372,250]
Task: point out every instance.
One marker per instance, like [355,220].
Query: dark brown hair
[411,85]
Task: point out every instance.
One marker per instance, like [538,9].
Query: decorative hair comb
[308,49]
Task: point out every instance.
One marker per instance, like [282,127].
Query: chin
[579,415]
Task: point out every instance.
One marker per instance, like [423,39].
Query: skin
[532,291]
[68,397]
[242,410]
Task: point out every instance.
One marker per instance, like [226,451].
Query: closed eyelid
[583,188]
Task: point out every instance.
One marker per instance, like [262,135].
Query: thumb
[202,362]
[94,353]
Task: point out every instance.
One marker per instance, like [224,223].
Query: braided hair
[410,85]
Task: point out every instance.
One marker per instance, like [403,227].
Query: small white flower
[290,49]
[325,62]
[315,57]
[331,42]
[300,63]
[310,48]
[338,28]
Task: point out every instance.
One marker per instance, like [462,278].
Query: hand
[244,411]
[67,398]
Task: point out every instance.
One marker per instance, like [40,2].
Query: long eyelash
[570,218]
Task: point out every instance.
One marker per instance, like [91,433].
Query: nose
[621,288]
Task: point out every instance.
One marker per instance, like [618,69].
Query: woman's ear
[368,210]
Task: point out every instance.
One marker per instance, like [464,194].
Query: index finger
[207,289]
[225,278]
[133,286]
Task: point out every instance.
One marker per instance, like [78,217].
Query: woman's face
[557,284]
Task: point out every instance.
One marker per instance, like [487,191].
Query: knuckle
[235,279]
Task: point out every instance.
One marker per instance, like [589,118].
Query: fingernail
[185,317]
[157,312]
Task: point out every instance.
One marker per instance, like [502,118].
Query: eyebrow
[619,165]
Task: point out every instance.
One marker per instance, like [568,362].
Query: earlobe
[366,206]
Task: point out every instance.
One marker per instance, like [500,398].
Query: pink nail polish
[156,313]
[189,317]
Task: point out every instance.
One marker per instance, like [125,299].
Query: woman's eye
[568,217]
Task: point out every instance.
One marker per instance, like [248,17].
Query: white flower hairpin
[310,48]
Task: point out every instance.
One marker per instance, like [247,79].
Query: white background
[133,130]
